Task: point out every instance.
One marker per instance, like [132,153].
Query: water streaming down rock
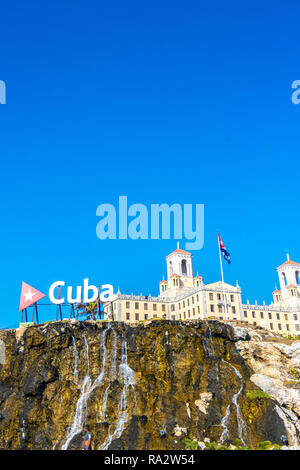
[104,403]
[175,384]
[87,388]
[241,425]
[112,374]
[292,425]
[126,375]
[210,338]
[208,344]
[75,373]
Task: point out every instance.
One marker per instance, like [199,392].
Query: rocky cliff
[146,386]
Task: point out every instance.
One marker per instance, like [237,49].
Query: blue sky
[185,102]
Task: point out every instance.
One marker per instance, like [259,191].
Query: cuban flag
[223,250]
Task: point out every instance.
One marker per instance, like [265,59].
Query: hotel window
[212,309]
[189,313]
[127,304]
[127,316]
[233,309]
[188,302]
[232,298]
[198,309]
[192,300]
[173,317]
[154,307]
[163,307]
[253,314]
[286,317]
[183,304]
[136,305]
[270,316]
[137,316]
[295,317]
[193,312]
[277,316]
[271,326]
[245,314]
[279,326]
[146,316]
[297,327]
[211,296]
[287,327]
[219,296]
[172,308]
[179,306]
[145,306]
[197,298]
[154,316]
[220,308]
[184,315]
[261,314]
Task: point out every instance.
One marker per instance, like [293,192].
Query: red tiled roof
[179,250]
[289,263]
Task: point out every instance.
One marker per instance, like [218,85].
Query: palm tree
[91,310]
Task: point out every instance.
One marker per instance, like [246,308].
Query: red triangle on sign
[29,296]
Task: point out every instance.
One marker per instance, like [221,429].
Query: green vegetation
[292,338]
[190,444]
[264,445]
[257,395]
[294,373]
[267,445]
[215,446]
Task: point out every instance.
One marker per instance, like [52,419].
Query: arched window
[297,274]
[284,278]
[170,268]
[183,267]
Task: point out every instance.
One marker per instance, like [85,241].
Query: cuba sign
[86,294]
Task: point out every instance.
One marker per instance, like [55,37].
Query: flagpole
[221,266]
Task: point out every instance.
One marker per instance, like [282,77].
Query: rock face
[145,386]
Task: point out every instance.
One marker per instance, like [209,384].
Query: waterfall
[126,375]
[291,425]
[208,345]
[86,349]
[113,369]
[86,389]
[104,403]
[240,422]
[210,338]
[112,375]
[75,374]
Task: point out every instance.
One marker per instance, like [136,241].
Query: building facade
[184,296]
